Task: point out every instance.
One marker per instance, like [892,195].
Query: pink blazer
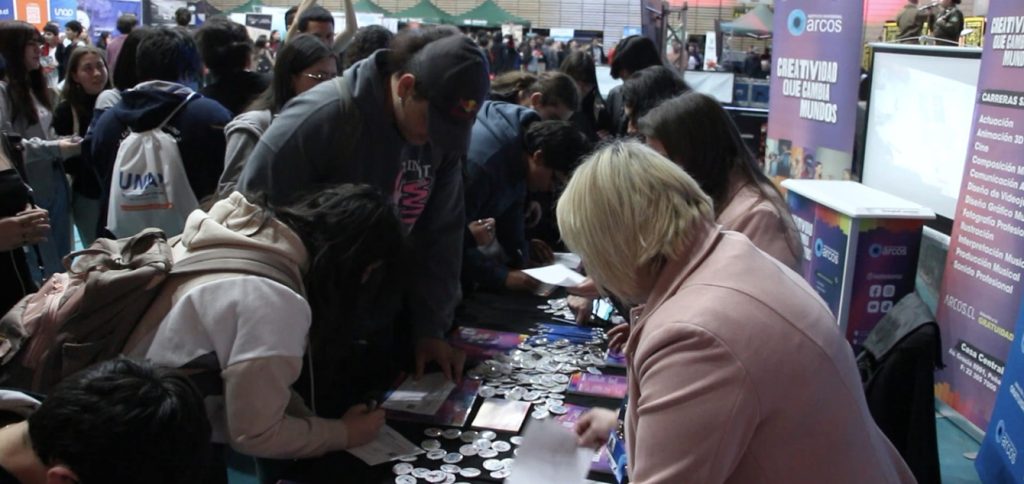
[750,214]
[739,374]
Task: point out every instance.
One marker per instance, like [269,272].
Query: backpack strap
[239,261]
[175,112]
[113,253]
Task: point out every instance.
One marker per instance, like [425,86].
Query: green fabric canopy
[247,7]
[424,12]
[489,14]
[756,23]
[366,6]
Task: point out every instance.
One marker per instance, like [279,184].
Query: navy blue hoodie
[496,187]
[198,127]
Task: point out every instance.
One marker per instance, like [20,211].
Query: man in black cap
[631,55]
[399,120]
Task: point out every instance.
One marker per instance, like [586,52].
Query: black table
[501,312]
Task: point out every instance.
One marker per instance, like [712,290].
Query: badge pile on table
[558,308]
[537,373]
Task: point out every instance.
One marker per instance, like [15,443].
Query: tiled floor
[953,444]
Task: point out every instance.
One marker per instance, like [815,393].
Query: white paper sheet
[500,414]
[423,397]
[568,259]
[389,445]
[549,454]
[557,275]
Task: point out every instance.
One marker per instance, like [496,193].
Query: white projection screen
[919,122]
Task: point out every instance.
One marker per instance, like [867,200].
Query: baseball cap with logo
[453,73]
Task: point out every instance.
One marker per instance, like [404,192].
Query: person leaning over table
[737,371]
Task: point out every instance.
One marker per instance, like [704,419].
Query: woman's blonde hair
[626,211]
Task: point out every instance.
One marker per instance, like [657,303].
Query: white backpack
[149,187]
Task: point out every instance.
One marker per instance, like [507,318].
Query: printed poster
[980,299]
[6,9]
[816,57]
[35,12]
[98,16]
[824,236]
[258,24]
[64,11]
[980,303]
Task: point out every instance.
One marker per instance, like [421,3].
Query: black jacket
[235,91]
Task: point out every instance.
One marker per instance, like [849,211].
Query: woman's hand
[596,426]
[26,228]
[70,147]
[581,307]
[363,424]
[618,337]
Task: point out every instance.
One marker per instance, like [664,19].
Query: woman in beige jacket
[737,370]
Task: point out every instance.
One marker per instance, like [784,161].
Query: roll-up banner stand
[980,302]
[816,56]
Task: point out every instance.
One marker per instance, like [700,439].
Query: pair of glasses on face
[320,76]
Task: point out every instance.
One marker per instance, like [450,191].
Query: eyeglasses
[320,76]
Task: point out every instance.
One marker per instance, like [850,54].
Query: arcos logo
[797,22]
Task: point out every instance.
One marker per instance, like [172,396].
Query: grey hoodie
[328,136]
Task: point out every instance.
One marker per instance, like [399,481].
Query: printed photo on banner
[784,161]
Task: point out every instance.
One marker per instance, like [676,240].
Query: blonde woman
[737,370]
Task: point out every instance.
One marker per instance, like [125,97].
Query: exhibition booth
[938,141]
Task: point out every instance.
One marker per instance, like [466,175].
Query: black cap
[634,53]
[454,74]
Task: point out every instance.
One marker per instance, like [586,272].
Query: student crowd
[378,178]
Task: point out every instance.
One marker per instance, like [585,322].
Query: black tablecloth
[501,312]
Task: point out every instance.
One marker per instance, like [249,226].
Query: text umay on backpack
[148,186]
[87,314]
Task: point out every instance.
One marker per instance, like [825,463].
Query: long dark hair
[345,229]
[22,84]
[699,135]
[125,77]
[81,101]
[294,57]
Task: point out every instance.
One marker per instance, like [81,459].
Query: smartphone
[602,309]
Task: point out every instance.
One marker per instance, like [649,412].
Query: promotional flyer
[980,303]
[815,73]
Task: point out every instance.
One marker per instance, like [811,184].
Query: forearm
[257,399]
[351,25]
[293,30]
